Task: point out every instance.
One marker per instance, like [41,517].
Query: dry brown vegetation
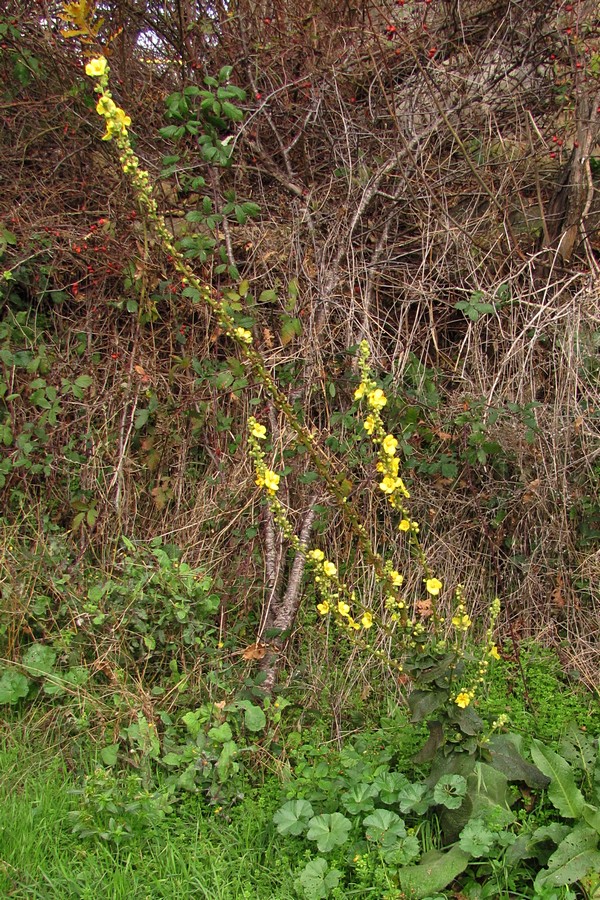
[406,158]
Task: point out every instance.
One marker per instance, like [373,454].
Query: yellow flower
[105,107]
[359,393]
[96,67]
[389,445]
[323,607]
[493,652]
[404,525]
[329,569]
[242,334]
[377,399]
[316,555]
[271,480]
[123,119]
[258,431]
[367,620]
[462,622]
[389,484]
[343,608]
[369,425]
[396,578]
[433,586]
[463,699]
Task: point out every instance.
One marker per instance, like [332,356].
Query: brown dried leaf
[424,608]
[255,651]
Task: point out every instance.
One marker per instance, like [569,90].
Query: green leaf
[290,328]
[13,687]
[360,798]
[506,756]
[329,831]
[450,791]
[414,798]
[109,754]
[574,858]
[435,872]
[141,418]
[293,816]
[476,838]
[232,112]
[563,793]
[220,733]
[384,827]
[390,785]
[316,880]
[254,716]
[39,659]
[423,703]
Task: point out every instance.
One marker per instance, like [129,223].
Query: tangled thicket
[426,178]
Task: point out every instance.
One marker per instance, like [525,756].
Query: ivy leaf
[329,831]
[221,734]
[293,816]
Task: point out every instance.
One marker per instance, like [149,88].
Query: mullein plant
[428,647]
[419,642]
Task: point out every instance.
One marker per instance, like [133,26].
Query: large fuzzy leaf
[562,790]
[435,872]
[506,756]
[574,858]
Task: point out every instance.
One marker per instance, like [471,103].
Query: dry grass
[394,183]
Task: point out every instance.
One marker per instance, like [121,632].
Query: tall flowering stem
[117,124]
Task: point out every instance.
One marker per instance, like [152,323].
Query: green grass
[197,851]
[192,853]
[543,704]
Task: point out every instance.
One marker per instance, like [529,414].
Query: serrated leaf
[384,826]
[360,798]
[450,791]
[39,659]
[476,839]
[390,785]
[329,831]
[414,798]
[14,686]
[316,880]
[293,816]
[563,793]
